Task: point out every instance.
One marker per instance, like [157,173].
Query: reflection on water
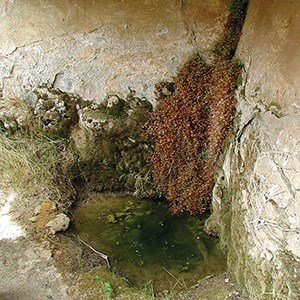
[146,243]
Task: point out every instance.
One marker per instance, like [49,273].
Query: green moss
[117,109]
[116,154]
[56,124]
[275,109]
[96,114]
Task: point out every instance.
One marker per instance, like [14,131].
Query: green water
[145,243]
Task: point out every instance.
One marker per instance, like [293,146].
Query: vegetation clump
[112,147]
[32,161]
[190,125]
[60,142]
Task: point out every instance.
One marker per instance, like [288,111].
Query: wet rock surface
[112,145]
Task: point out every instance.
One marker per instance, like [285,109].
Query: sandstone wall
[94,48]
[257,195]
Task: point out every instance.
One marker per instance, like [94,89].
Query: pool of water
[146,243]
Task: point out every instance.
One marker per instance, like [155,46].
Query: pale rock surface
[28,273]
[61,222]
[257,196]
[95,48]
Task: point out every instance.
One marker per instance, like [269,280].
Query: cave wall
[257,195]
[95,48]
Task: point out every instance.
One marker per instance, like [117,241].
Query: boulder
[61,222]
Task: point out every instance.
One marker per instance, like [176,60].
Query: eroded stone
[61,222]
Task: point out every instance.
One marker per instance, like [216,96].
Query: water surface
[146,243]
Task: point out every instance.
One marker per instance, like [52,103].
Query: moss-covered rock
[112,146]
[56,110]
[15,115]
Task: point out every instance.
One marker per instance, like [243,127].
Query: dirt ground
[27,268]
[27,272]
[214,288]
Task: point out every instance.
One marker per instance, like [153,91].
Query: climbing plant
[193,118]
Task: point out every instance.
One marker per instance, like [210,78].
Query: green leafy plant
[107,288]
[149,290]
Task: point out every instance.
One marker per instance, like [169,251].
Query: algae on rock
[111,144]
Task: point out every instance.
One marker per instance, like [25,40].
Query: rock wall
[257,196]
[95,48]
